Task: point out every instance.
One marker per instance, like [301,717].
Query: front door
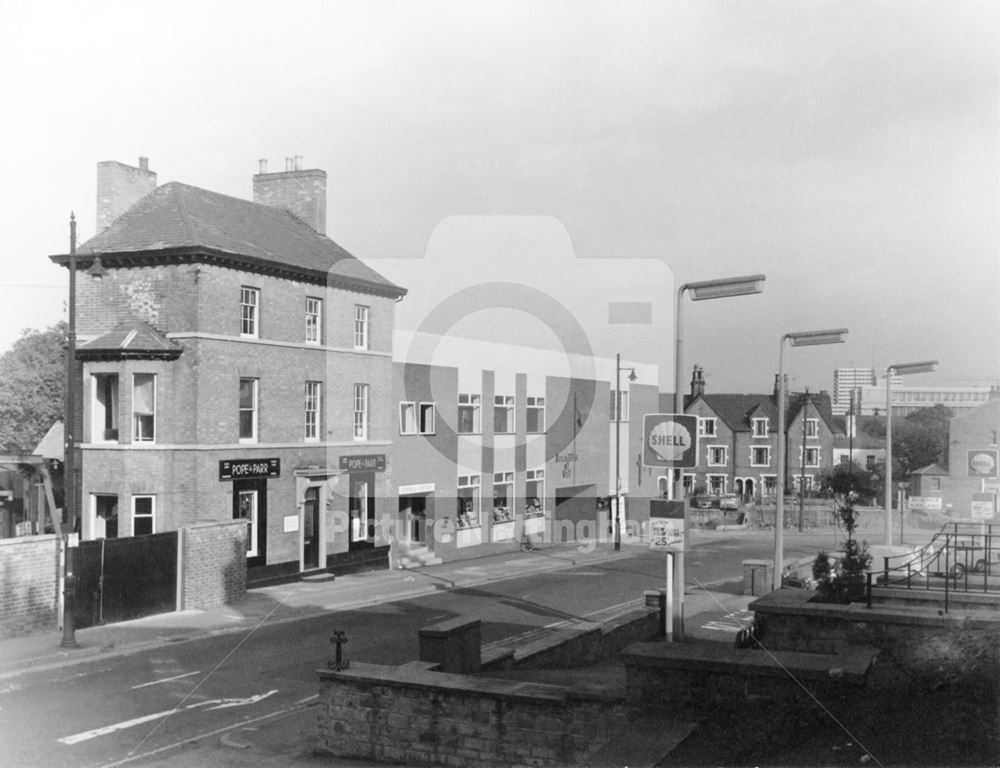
[311,530]
[250,505]
[362,511]
[413,516]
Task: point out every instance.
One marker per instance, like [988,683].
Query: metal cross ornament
[339,664]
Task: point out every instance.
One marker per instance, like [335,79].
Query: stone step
[417,558]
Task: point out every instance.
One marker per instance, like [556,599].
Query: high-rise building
[844,381]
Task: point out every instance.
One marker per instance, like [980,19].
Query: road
[147,707]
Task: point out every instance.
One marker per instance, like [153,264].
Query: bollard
[339,663]
[69,600]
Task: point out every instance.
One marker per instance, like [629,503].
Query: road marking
[721,626]
[164,680]
[731,622]
[220,704]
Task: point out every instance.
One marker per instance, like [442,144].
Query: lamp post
[618,453]
[69,451]
[799,339]
[721,288]
[899,369]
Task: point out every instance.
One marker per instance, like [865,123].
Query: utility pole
[802,468]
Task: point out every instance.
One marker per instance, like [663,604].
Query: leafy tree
[32,387]
[915,446]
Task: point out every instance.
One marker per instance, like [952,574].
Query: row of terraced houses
[237,364]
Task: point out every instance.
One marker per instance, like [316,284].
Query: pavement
[712,611]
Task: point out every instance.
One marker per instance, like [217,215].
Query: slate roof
[51,446]
[131,339]
[182,221]
[737,411]
[931,469]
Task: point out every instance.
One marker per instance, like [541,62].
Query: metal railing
[961,557]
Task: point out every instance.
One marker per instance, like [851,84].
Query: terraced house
[738,440]
[236,363]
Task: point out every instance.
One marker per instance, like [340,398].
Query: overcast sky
[847,150]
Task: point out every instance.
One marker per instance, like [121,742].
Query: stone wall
[414,715]
[29,583]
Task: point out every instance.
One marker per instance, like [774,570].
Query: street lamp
[799,339]
[69,450]
[702,290]
[899,369]
[618,455]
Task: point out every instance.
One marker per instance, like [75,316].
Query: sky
[598,153]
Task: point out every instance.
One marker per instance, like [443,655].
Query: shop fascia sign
[249,469]
[374,462]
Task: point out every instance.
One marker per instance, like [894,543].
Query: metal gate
[122,579]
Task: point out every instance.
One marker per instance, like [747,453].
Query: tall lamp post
[899,369]
[721,288]
[618,453]
[799,339]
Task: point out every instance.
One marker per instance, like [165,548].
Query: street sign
[984,462]
[983,506]
[929,503]
[669,440]
[666,525]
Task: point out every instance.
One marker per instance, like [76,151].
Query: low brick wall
[414,715]
[29,583]
[215,564]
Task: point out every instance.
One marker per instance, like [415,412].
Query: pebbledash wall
[309,497]
[29,584]
[496,442]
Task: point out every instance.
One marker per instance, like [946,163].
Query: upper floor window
[812,428]
[869,462]
[248,410]
[104,416]
[812,457]
[416,418]
[468,501]
[312,410]
[144,407]
[706,427]
[622,405]
[360,411]
[716,455]
[760,427]
[143,512]
[314,320]
[360,326]
[536,415]
[760,456]
[468,414]
[503,414]
[249,305]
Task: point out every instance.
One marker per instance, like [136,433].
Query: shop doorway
[250,505]
[413,517]
[362,511]
[311,530]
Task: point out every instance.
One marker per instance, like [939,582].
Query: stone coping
[796,602]
[422,676]
[705,656]
[450,627]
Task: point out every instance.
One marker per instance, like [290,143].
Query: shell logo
[669,440]
[983,463]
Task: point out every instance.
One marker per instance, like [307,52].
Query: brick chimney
[302,192]
[697,382]
[119,187]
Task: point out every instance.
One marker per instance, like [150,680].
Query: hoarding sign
[983,506]
[666,525]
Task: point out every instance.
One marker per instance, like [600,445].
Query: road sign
[669,440]
[983,506]
[666,525]
[984,462]
[929,503]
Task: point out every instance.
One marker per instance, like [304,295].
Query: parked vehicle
[729,501]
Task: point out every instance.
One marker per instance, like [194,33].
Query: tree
[32,387]
[936,420]
[846,583]
[915,446]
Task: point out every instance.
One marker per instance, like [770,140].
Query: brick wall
[29,581]
[215,565]
[412,715]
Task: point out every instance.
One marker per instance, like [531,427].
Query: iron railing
[961,557]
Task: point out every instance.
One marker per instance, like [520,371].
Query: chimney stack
[119,187]
[301,192]
[697,382]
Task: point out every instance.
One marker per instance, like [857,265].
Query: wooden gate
[122,579]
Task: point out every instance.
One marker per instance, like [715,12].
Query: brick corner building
[236,363]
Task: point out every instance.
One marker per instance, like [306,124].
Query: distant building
[738,441]
[869,394]
[847,381]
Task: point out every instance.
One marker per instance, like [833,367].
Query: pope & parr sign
[249,469]
[374,462]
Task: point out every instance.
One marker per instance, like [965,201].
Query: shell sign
[669,440]
[984,463]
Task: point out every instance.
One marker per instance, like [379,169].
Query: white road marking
[164,680]
[307,699]
[721,626]
[220,704]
